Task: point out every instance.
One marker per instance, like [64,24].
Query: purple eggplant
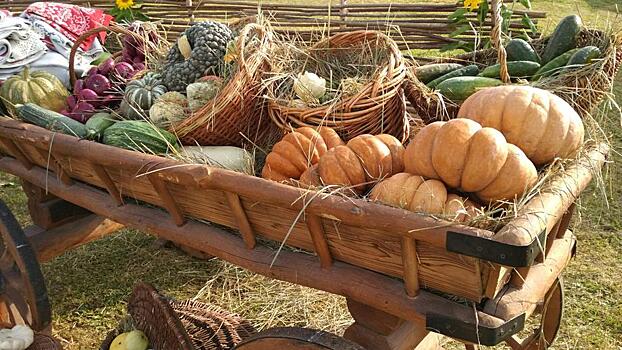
[78,86]
[90,96]
[106,67]
[124,70]
[84,110]
[94,70]
[98,83]
[71,102]
[138,66]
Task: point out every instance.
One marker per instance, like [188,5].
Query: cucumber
[471,70]
[564,38]
[50,120]
[97,124]
[458,89]
[429,72]
[520,50]
[554,65]
[584,55]
[137,135]
[516,69]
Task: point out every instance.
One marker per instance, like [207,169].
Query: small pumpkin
[473,159]
[415,193]
[541,124]
[298,150]
[169,109]
[140,95]
[39,87]
[364,160]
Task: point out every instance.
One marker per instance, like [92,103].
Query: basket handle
[495,36]
[74,49]
[244,35]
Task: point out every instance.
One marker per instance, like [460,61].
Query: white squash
[309,87]
[17,338]
[226,157]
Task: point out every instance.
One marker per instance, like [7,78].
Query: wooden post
[411,266]
[48,211]
[378,330]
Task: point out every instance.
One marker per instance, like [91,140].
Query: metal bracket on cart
[474,333]
[497,252]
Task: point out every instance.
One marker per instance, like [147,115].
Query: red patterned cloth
[71,20]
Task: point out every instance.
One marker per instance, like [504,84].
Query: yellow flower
[472,5]
[124,4]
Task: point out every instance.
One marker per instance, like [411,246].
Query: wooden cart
[389,263]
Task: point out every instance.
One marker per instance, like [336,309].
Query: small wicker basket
[185,325]
[44,342]
[379,106]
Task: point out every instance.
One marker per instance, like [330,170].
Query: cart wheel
[551,310]
[23,296]
[296,338]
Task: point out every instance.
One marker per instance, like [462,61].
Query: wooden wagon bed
[385,258]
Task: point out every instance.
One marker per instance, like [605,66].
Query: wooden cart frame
[80,191]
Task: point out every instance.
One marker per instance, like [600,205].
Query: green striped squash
[140,95]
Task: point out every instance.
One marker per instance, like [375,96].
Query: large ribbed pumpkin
[364,160]
[540,123]
[473,159]
[39,87]
[415,193]
[297,151]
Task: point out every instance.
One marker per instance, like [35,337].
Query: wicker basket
[236,115]
[379,107]
[44,342]
[185,325]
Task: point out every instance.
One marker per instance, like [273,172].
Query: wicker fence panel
[421,25]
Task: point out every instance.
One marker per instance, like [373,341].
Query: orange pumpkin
[298,150]
[540,123]
[473,159]
[364,160]
[414,193]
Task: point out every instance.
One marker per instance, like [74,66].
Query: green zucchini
[564,38]
[516,69]
[141,136]
[96,125]
[584,55]
[520,50]
[50,120]
[458,89]
[467,71]
[554,65]
[429,72]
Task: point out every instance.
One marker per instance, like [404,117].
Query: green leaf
[482,12]
[525,3]
[458,14]
[527,22]
[459,31]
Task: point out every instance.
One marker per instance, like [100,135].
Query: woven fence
[421,25]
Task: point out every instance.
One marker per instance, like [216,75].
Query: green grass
[89,285]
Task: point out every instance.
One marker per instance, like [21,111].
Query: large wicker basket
[236,115]
[186,325]
[379,106]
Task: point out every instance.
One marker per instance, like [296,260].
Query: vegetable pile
[561,54]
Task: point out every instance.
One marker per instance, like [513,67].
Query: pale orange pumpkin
[473,159]
[540,123]
[415,193]
[297,151]
[364,160]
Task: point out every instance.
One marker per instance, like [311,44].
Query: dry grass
[89,285]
